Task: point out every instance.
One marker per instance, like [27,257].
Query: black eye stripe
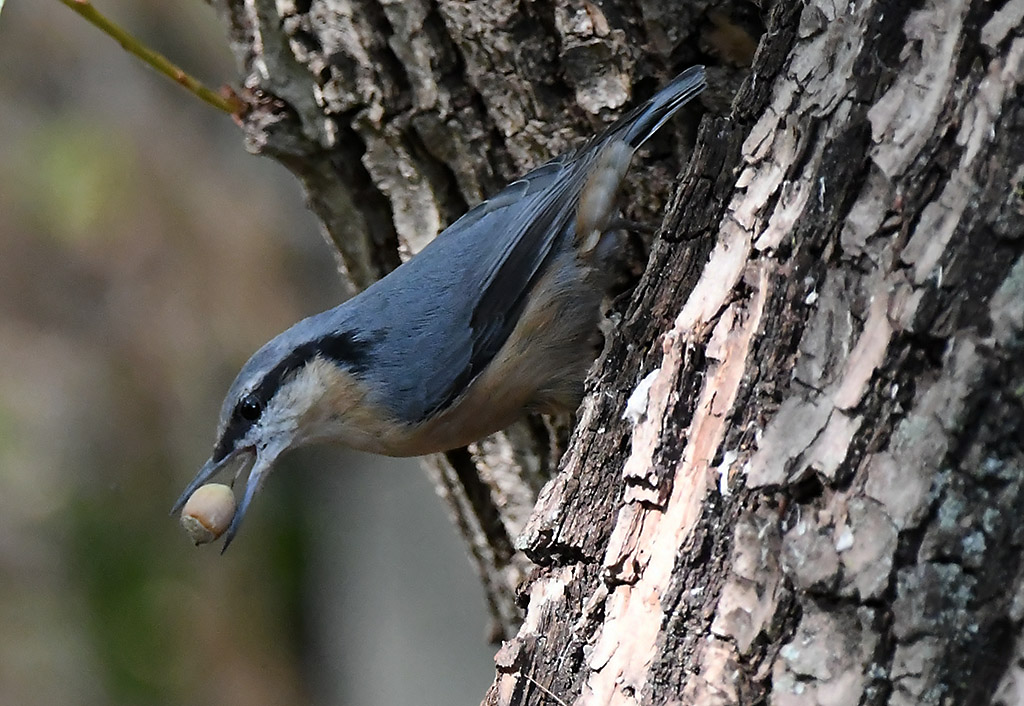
[340,347]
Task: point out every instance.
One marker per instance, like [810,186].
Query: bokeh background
[143,257]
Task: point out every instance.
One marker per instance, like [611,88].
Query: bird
[495,318]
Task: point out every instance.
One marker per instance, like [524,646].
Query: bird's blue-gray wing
[457,301]
[523,226]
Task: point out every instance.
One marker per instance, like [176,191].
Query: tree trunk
[799,472]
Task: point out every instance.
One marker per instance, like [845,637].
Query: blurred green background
[143,257]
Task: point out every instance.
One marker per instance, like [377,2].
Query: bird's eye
[250,408]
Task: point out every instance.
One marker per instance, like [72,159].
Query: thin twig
[158,61]
[543,688]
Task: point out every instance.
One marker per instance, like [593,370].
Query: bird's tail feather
[637,126]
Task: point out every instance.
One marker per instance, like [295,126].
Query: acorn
[208,512]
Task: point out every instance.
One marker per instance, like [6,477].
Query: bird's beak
[265,458]
[264,461]
[208,471]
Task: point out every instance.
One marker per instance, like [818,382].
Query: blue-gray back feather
[435,323]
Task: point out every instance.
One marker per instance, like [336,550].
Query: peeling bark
[814,497]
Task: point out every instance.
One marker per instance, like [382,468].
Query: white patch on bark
[868,353]
[904,119]
[636,405]
[1003,21]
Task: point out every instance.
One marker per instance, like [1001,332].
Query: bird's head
[295,390]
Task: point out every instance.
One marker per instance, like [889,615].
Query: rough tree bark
[815,495]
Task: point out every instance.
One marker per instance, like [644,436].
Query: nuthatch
[496,317]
